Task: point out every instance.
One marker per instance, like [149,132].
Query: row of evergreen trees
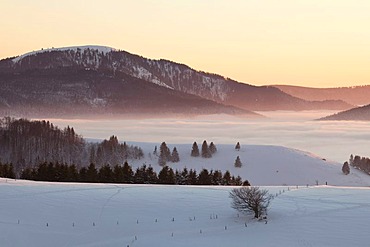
[125,174]
[207,151]
[165,154]
[360,163]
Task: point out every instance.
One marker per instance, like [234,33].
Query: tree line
[56,172]
[25,143]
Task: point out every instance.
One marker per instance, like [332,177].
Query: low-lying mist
[333,140]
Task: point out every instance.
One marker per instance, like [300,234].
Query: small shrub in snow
[250,199]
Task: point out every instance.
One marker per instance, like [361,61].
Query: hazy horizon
[332,140]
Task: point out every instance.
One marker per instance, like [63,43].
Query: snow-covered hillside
[46,214]
[262,165]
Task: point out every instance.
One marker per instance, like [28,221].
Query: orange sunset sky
[317,43]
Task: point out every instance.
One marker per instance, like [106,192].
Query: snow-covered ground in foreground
[47,214]
[262,165]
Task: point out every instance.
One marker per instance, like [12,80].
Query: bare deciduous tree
[250,199]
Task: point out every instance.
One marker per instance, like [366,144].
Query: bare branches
[250,199]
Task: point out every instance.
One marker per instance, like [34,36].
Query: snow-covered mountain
[167,74]
[78,81]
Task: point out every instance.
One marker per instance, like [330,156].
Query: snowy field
[36,214]
[261,165]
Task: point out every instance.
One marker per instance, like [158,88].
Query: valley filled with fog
[332,140]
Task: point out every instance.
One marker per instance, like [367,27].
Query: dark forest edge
[50,172]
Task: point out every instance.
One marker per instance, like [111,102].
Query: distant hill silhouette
[355,114]
[359,95]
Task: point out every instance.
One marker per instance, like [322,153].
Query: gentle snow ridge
[262,165]
[104,49]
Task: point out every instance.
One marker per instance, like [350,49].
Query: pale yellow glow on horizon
[318,43]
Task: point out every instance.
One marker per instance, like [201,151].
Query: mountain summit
[99,78]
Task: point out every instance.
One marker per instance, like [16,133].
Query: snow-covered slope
[45,214]
[262,165]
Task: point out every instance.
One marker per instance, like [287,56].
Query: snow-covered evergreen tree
[164,154]
[206,153]
[212,148]
[175,156]
[195,150]
[238,162]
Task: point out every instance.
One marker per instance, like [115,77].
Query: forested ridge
[25,144]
